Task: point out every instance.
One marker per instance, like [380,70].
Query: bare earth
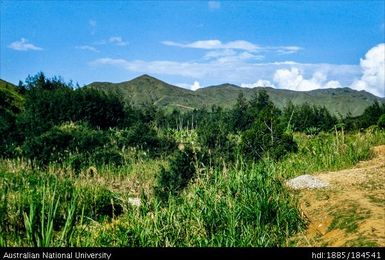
[351,210]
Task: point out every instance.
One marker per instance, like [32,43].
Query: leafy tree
[51,102]
[240,118]
[267,135]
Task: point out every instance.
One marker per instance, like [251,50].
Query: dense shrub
[50,102]
[99,203]
[60,142]
[183,168]
[144,137]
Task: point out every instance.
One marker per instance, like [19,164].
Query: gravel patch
[306,182]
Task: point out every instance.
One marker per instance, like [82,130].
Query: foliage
[50,102]
[149,90]
[267,135]
[381,122]
[60,142]
[11,104]
[307,118]
[222,187]
[183,168]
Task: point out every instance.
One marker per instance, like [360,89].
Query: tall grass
[328,152]
[229,205]
[223,207]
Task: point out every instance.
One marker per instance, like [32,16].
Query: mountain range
[147,89]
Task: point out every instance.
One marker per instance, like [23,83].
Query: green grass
[328,152]
[348,218]
[230,205]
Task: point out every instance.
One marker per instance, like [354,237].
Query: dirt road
[351,211]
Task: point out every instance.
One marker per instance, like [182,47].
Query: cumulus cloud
[87,48]
[373,70]
[219,72]
[294,80]
[213,5]
[259,83]
[238,66]
[195,86]
[23,45]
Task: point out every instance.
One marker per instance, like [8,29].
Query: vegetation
[75,162]
[148,90]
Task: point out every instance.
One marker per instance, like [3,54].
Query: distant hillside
[147,89]
[341,100]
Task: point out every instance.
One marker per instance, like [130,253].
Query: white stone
[306,182]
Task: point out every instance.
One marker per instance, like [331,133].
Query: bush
[381,122]
[182,170]
[144,137]
[57,144]
[99,203]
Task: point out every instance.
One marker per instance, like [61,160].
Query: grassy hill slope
[146,89]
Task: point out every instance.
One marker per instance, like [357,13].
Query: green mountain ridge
[147,89]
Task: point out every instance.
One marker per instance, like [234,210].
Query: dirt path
[351,211]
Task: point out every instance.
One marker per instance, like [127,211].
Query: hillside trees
[267,134]
[305,117]
[59,122]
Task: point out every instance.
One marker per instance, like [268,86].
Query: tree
[239,116]
[267,135]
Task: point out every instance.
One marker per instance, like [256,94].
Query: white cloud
[195,86]
[287,49]
[215,44]
[24,45]
[117,40]
[373,71]
[214,5]
[230,55]
[236,66]
[87,48]
[219,53]
[259,83]
[219,72]
[293,79]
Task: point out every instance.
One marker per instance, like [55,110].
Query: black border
[327,253]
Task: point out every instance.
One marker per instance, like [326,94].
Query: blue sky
[299,45]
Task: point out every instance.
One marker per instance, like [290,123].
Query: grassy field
[229,205]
